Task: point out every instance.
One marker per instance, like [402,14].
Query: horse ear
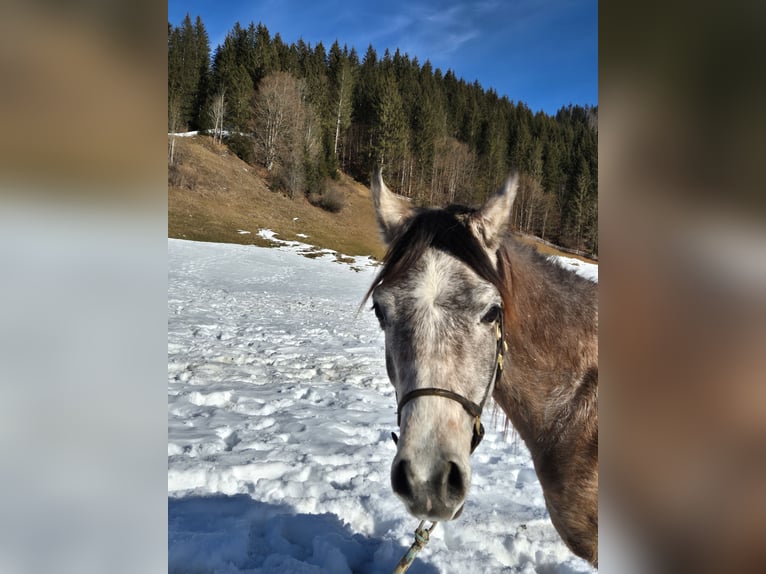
[390,210]
[490,222]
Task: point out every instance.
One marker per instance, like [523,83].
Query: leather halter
[470,407]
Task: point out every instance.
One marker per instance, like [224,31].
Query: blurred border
[83,304]
[83,249]
[683,287]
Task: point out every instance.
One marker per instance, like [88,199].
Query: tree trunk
[337,118]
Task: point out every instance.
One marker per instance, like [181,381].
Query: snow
[587,270]
[224,133]
[279,422]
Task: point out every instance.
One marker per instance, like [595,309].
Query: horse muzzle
[432,491]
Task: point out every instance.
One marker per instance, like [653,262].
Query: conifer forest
[302,112]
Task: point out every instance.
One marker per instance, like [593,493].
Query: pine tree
[390,127]
[520,139]
[264,55]
[580,205]
[363,114]
[175,64]
[287,59]
[203,87]
[366,89]
[429,128]
[493,146]
[188,71]
[231,77]
[314,73]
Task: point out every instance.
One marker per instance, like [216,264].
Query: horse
[468,311]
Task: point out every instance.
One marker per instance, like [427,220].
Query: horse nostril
[455,481]
[400,479]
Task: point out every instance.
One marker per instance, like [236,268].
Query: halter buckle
[478,433]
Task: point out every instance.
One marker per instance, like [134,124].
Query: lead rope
[422,536]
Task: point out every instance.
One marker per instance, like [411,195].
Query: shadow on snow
[228,534]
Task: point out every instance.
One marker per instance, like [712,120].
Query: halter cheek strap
[470,407]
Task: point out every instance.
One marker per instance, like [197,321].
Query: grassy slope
[229,195]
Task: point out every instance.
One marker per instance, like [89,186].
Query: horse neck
[551,330]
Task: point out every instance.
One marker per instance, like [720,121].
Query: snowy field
[279,423]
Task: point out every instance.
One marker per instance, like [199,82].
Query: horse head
[440,299]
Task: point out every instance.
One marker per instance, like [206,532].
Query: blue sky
[541,52]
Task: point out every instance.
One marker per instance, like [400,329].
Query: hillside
[443,139]
[213,195]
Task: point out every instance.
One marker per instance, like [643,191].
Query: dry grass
[546,249]
[229,195]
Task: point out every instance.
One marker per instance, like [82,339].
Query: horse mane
[445,230]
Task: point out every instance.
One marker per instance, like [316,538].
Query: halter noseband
[470,407]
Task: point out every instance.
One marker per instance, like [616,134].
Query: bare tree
[277,117]
[285,129]
[216,113]
[529,207]
[174,121]
[453,169]
[343,109]
[549,213]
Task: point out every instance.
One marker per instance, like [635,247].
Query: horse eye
[492,315]
[378,314]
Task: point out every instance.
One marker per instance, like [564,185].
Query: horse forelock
[445,230]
